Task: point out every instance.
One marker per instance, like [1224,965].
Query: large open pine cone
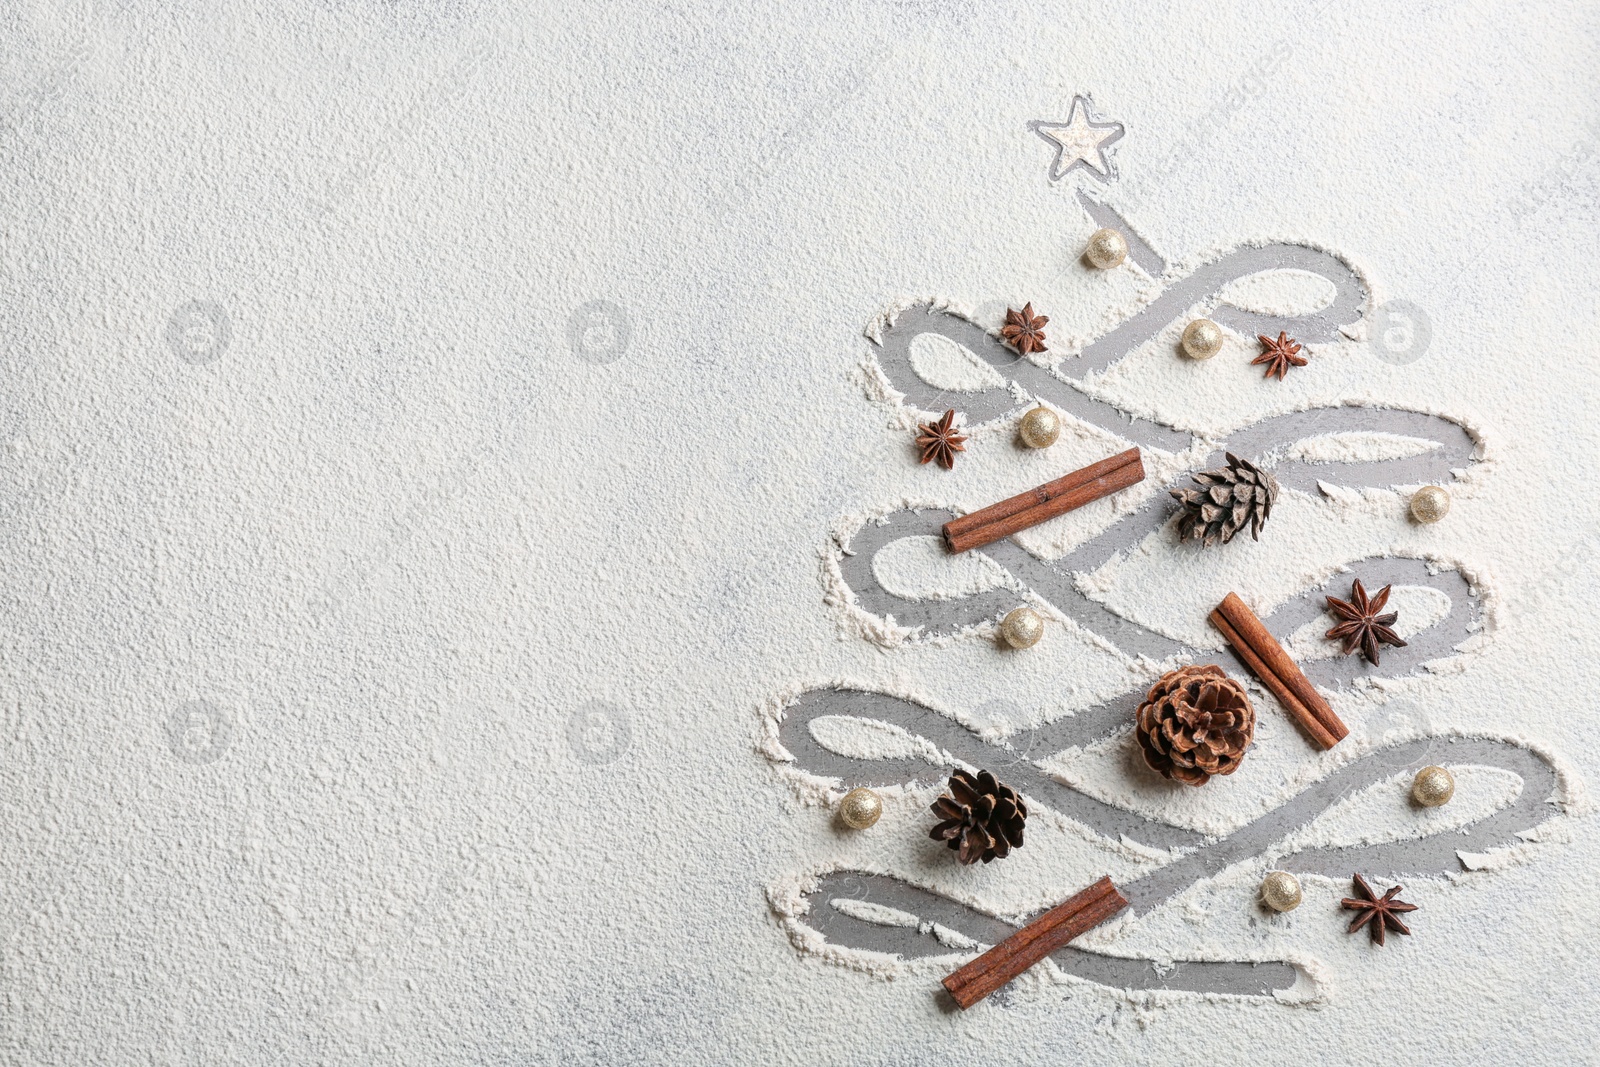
[982,819]
[1228,498]
[1195,722]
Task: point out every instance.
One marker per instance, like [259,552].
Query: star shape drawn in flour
[1079,142]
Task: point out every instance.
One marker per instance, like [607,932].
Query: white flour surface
[426,427]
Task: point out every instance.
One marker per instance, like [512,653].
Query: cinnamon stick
[1064,494]
[1297,711]
[1267,660]
[1046,934]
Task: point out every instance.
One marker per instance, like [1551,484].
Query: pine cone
[982,818]
[1195,722]
[1228,497]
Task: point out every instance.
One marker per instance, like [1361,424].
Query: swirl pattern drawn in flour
[1394,859]
[1100,721]
[1191,857]
[1199,857]
[1453,447]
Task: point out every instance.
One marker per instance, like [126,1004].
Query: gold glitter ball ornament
[1280,891]
[1433,786]
[1039,428]
[1430,504]
[1107,248]
[1022,628]
[1202,339]
[860,808]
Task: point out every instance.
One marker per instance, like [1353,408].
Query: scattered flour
[398,381]
[946,364]
[1384,812]
[922,568]
[1280,292]
[868,739]
[1357,447]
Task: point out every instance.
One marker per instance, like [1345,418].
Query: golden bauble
[1039,428]
[860,808]
[1022,628]
[1280,891]
[1107,248]
[1433,786]
[1430,504]
[1202,339]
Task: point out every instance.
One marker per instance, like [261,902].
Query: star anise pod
[1279,355]
[1379,911]
[1362,624]
[939,440]
[1024,329]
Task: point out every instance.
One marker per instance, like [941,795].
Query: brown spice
[1025,510]
[1048,933]
[940,441]
[1362,624]
[1380,912]
[1266,659]
[1025,330]
[1279,355]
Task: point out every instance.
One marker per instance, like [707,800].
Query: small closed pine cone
[1195,722]
[981,818]
[1228,498]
